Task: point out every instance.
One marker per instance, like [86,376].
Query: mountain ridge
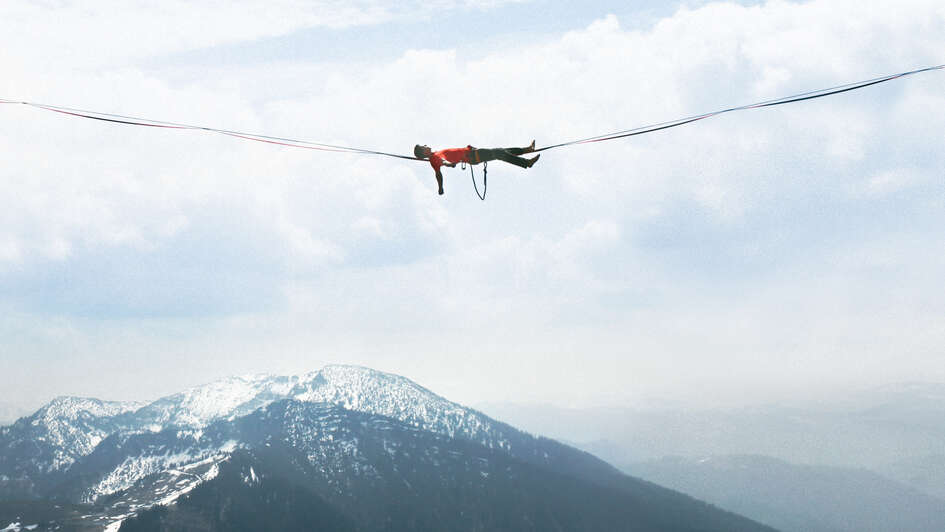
[343,426]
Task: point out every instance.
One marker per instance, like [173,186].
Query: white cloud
[102,33]
[644,247]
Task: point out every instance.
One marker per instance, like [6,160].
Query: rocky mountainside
[343,445]
[39,447]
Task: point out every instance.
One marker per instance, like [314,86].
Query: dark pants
[509,155]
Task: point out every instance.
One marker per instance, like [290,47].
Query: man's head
[422,152]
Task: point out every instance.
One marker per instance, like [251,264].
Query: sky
[754,256]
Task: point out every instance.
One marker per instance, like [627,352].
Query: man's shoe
[440,192]
[531,162]
[530,148]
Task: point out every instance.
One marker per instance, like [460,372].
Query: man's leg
[509,157]
[521,151]
[502,154]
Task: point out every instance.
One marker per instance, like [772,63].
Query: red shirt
[452,155]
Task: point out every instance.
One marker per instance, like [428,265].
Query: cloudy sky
[753,256]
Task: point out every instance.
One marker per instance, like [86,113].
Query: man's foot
[530,148]
[531,162]
[440,192]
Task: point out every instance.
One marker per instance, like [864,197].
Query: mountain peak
[386,394]
[71,408]
[354,375]
[224,398]
[363,379]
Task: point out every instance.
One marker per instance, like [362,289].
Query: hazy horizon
[820,399]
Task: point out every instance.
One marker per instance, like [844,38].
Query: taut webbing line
[296,143]
[767,103]
[147,122]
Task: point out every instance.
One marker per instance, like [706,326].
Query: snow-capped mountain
[38,447]
[346,434]
[351,387]
[73,426]
[228,398]
[68,428]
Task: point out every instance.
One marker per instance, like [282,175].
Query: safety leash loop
[485,180]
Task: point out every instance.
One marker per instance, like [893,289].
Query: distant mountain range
[796,498]
[883,429]
[871,460]
[925,473]
[342,448]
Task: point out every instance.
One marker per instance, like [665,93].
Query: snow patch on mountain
[133,470]
[178,465]
[186,485]
[160,488]
[17,527]
[65,408]
[224,399]
[251,478]
[72,427]
[375,392]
